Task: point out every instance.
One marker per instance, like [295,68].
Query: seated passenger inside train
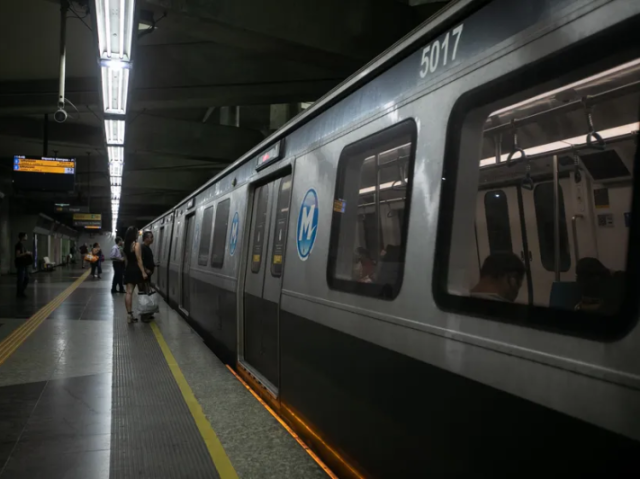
[600,289]
[365,267]
[501,277]
[388,268]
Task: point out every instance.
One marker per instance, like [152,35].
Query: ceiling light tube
[115,169]
[131,14]
[115,87]
[107,27]
[578,141]
[114,130]
[115,28]
[100,24]
[116,181]
[121,33]
[383,186]
[116,153]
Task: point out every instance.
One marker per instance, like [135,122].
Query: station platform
[85,395]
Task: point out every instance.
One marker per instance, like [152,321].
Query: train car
[431,270]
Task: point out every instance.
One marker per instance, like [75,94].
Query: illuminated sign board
[60,166]
[60,208]
[88,221]
[44,174]
[87,217]
[269,156]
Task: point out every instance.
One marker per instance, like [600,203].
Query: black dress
[132,273]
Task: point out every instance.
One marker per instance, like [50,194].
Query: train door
[185,300]
[539,215]
[499,229]
[263,279]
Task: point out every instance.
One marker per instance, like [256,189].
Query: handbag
[148,300]
[91,258]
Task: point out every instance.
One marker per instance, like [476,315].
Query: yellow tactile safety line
[218,455]
[17,337]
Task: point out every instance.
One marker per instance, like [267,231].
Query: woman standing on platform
[134,272]
[96,268]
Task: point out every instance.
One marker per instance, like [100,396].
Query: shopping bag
[148,301]
[91,258]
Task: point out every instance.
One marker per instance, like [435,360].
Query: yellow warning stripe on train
[20,335]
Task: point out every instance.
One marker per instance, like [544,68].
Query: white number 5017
[431,53]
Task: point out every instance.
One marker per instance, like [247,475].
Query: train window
[369,230]
[548,249]
[205,236]
[259,229]
[220,233]
[498,227]
[176,235]
[160,242]
[282,219]
[545,217]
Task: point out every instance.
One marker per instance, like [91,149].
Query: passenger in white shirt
[118,266]
[501,277]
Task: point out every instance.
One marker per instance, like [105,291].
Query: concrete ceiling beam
[147,133]
[167,136]
[33,101]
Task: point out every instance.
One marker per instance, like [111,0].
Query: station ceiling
[202,60]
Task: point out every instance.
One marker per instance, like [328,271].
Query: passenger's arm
[139,258]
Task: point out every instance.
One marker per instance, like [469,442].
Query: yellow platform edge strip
[12,342]
[218,455]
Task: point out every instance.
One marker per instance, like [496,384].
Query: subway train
[429,270]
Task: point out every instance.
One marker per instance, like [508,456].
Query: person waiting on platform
[23,259]
[134,272]
[118,266]
[501,277]
[149,267]
[96,267]
[84,251]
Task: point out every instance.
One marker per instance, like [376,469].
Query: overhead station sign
[88,221]
[61,166]
[60,208]
[44,174]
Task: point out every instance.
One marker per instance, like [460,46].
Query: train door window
[205,236]
[545,218]
[369,228]
[160,242]
[282,220]
[176,235]
[498,226]
[220,233]
[258,241]
[551,142]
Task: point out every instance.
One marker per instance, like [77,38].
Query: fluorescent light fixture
[115,28]
[116,181]
[115,169]
[584,81]
[116,154]
[115,88]
[114,130]
[115,192]
[383,186]
[580,141]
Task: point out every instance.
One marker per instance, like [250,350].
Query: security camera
[60,115]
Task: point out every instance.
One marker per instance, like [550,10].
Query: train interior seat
[564,295]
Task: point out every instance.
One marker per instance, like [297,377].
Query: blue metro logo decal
[233,237]
[307,224]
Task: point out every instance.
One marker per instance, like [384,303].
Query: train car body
[339,262]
